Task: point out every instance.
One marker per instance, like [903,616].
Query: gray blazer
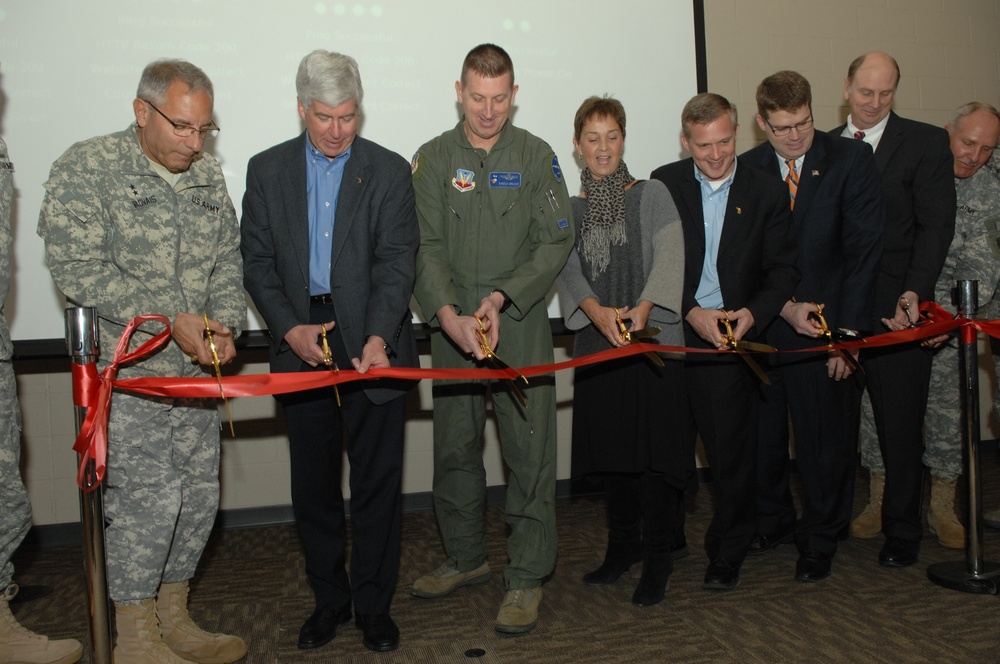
[375,239]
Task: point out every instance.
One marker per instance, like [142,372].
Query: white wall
[948,52]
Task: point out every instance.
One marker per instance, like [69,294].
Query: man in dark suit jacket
[739,262]
[329,244]
[915,164]
[838,214]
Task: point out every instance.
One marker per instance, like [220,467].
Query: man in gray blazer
[329,239]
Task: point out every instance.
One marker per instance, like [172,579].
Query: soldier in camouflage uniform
[140,222]
[17,644]
[974,254]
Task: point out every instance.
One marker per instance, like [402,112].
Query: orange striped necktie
[792,180]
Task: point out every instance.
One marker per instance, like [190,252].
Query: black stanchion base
[956,576]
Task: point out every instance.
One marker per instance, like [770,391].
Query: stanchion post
[83,345]
[974,575]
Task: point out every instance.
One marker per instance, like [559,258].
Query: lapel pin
[359,180]
[815,174]
[739,210]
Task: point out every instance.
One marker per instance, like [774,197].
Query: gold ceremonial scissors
[637,336]
[218,371]
[484,345]
[328,361]
[741,347]
[828,333]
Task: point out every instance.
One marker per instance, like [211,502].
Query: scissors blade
[754,367]
[655,359]
[755,346]
[495,360]
[855,365]
[218,372]
[645,332]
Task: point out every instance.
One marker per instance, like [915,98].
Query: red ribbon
[94,392]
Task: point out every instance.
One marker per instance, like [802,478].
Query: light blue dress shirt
[323,178]
[713,205]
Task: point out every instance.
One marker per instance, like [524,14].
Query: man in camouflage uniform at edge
[140,222]
[974,254]
[17,644]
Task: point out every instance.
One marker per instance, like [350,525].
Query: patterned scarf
[605,220]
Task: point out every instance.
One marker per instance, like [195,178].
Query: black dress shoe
[764,543]
[898,552]
[380,632]
[679,549]
[722,574]
[322,626]
[813,566]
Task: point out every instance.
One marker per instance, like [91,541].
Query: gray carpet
[252,583]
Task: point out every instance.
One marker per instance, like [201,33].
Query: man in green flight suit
[495,229]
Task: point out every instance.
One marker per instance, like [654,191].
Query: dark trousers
[897,381]
[824,415]
[316,431]
[724,403]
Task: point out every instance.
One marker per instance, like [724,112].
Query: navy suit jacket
[915,163]
[373,263]
[838,218]
[757,252]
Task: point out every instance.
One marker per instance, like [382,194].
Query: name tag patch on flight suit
[505,180]
[463,180]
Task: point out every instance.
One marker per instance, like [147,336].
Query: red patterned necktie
[859,135]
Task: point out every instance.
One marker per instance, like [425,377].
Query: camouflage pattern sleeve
[79,233]
[227,303]
[6,195]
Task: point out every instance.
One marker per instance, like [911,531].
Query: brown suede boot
[187,639]
[868,524]
[21,645]
[941,517]
[139,639]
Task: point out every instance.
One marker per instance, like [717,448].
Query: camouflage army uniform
[119,238]
[15,510]
[974,254]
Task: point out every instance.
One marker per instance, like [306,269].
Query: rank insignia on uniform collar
[463,180]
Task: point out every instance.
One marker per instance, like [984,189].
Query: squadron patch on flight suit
[556,171]
[463,180]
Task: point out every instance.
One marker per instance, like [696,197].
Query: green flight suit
[493,221]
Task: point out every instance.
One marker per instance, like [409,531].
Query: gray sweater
[652,221]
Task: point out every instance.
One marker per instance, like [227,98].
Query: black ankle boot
[620,556]
[624,536]
[656,569]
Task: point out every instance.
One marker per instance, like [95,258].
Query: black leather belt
[325,298]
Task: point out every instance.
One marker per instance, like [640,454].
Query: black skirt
[630,416]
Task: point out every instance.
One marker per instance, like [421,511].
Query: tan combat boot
[868,524]
[941,517]
[519,611]
[139,639]
[19,644]
[187,639]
